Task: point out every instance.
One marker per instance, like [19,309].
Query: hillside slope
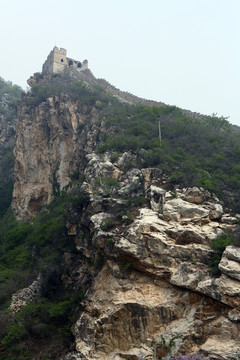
[9,95]
[122,245]
[65,119]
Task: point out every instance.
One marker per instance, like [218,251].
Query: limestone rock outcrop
[50,149]
[155,280]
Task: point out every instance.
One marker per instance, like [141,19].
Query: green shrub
[27,249]
[107,185]
[181,153]
[127,219]
[140,200]
[115,156]
[79,201]
[109,241]
[41,319]
[107,224]
[16,351]
[15,332]
[126,265]
[219,244]
[224,239]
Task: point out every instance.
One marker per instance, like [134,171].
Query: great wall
[58,63]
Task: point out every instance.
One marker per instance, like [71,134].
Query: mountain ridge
[123,250]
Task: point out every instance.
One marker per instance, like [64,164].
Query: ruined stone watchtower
[57,62]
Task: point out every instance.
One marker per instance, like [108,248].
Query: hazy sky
[181,52]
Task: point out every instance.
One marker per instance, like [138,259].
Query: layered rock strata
[53,140]
[154,281]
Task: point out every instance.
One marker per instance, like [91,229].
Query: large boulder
[216,211]
[195,195]
[230,262]
[232,253]
[157,195]
[177,209]
[224,289]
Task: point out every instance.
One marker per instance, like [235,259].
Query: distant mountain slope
[9,95]
[109,255]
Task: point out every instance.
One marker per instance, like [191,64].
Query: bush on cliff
[192,152]
[6,87]
[26,250]
[29,248]
[218,244]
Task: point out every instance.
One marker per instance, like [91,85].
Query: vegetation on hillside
[9,96]
[59,85]
[191,152]
[218,244]
[26,250]
[6,179]
[7,87]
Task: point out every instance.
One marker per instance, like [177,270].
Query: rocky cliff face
[154,279]
[50,151]
[143,250]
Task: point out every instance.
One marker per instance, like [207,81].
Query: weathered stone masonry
[57,62]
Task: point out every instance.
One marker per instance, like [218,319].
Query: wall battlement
[57,62]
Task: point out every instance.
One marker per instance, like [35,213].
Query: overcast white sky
[181,52]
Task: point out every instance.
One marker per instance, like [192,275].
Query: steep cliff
[154,277]
[55,136]
[141,252]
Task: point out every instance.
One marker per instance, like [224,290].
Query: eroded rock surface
[52,141]
[155,281]
[143,249]
[123,314]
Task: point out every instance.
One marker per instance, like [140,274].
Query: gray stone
[187,275]
[228,219]
[194,195]
[216,211]
[234,315]
[230,268]
[232,253]
[125,159]
[221,289]
[177,209]
[156,197]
